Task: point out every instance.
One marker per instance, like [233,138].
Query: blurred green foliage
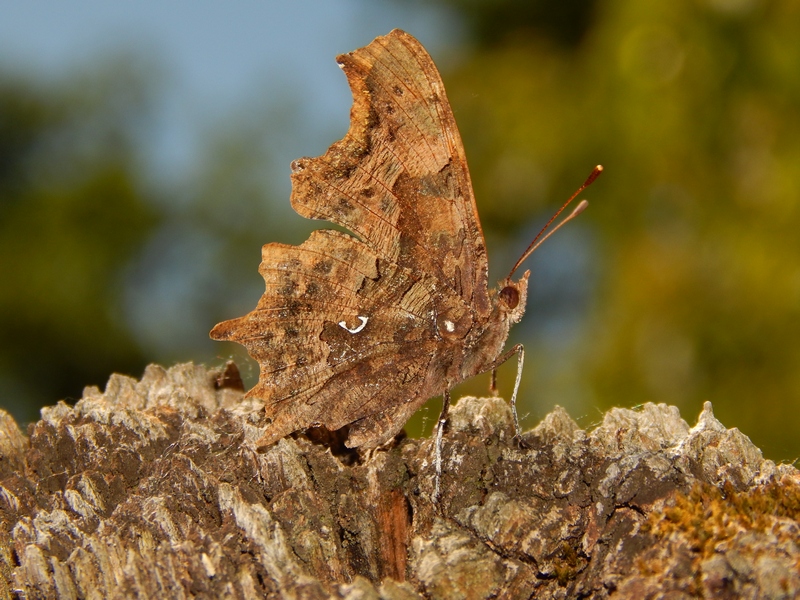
[694,110]
[72,213]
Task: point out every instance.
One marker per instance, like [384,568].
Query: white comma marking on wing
[343,325]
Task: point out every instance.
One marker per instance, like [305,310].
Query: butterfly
[360,329]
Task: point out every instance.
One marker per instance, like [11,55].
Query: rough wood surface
[153,489]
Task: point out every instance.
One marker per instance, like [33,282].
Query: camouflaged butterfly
[361,330]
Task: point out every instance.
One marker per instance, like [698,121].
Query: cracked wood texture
[154,489]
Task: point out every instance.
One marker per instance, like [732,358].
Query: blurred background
[144,160]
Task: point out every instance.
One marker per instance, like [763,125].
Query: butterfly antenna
[575,212]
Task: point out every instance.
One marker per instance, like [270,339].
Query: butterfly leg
[520,352]
[438,443]
[493,383]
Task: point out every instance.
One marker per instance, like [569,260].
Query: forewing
[399,178]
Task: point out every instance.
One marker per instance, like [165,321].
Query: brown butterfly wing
[345,332]
[314,368]
[399,178]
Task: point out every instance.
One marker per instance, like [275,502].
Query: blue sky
[212,56]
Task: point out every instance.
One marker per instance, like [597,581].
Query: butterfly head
[512,297]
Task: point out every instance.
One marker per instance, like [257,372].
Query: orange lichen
[708,515]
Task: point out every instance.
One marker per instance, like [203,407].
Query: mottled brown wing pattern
[328,318]
[399,178]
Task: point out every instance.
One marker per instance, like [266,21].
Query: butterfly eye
[510,296]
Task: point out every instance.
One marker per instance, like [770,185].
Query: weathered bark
[153,489]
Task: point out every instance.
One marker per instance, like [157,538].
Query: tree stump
[154,489]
